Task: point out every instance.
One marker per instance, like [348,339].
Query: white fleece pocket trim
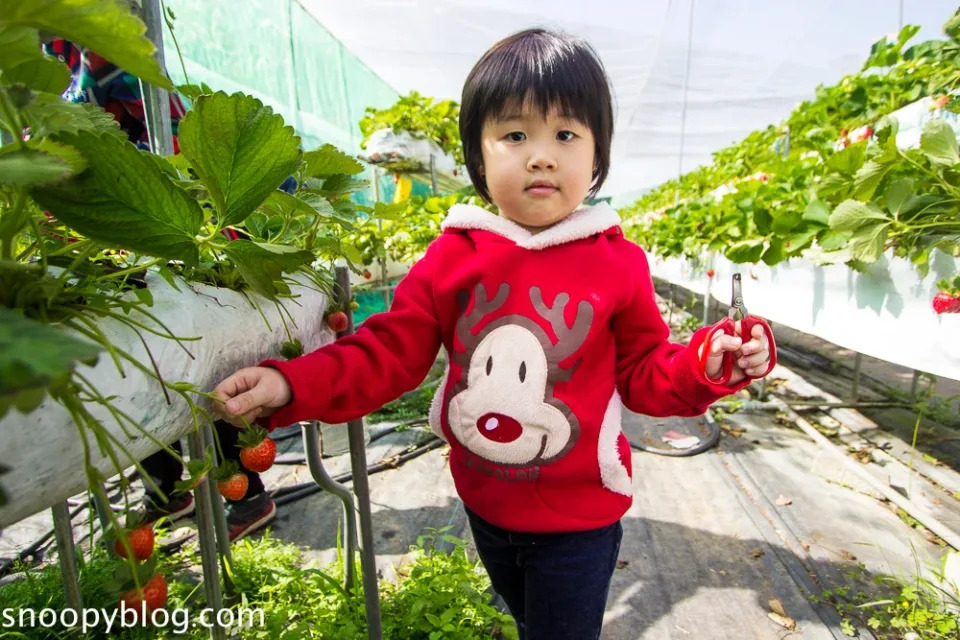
[613,474]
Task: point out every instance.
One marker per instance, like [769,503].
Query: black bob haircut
[546,69]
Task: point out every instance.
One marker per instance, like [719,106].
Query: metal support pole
[156,101]
[381,261]
[914,383]
[219,519]
[706,295]
[670,316]
[361,487]
[208,540]
[67,555]
[311,445]
[855,392]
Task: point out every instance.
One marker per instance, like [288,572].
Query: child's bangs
[541,83]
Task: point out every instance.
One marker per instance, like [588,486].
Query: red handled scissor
[729,326]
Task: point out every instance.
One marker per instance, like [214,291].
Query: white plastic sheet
[885,313]
[43,448]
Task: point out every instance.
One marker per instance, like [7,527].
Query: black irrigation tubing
[298,458]
[297,492]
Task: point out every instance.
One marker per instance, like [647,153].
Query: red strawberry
[154,595]
[257,451]
[711,273]
[946,303]
[338,321]
[231,483]
[367,274]
[141,542]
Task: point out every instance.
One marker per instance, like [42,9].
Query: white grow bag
[43,448]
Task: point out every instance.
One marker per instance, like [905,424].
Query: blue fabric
[555,584]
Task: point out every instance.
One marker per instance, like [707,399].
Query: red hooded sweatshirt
[549,336]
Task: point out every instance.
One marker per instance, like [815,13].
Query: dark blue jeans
[555,584]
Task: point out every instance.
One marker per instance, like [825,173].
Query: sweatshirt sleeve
[655,376]
[389,354]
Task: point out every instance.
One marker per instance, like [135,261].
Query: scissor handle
[746,328]
[726,371]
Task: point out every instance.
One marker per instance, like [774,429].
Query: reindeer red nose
[499,428]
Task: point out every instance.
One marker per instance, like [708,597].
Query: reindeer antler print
[481,307]
[568,339]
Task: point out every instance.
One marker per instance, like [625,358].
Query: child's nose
[541,161]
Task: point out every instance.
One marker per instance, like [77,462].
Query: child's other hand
[751,359]
[251,393]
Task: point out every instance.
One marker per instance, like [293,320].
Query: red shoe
[245,517]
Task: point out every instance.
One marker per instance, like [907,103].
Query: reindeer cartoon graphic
[503,408]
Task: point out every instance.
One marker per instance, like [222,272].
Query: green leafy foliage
[241,150]
[329,161]
[34,357]
[128,201]
[418,115]
[39,162]
[845,193]
[108,27]
[442,593]
[261,265]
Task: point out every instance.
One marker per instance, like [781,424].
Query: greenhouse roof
[751,61]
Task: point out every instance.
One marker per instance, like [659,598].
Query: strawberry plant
[85,216]
[843,192]
[419,116]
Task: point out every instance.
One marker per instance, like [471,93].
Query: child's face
[523,150]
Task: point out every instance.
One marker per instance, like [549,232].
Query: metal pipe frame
[67,556]
[361,487]
[311,445]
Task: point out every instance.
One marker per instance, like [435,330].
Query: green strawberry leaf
[43,74]
[18,45]
[241,150]
[108,27]
[939,142]
[128,201]
[868,241]
[746,251]
[48,115]
[34,357]
[868,178]
[850,215]
[817,212]
[774,252]
[43,162]
[262,265]
[340,184]
[328,161]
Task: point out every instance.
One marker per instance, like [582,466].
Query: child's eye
[566,136]
[516,136]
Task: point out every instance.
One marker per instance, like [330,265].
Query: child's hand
[252,393]
[751,358]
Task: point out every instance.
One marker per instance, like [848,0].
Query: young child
[548,315]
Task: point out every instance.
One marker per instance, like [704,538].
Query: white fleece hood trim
[582,223]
